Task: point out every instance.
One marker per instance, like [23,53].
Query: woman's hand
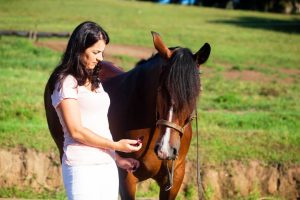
[128,164]
[128,146]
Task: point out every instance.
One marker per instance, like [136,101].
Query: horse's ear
[202,55]
[159,45]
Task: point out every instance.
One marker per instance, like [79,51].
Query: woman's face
[93,54]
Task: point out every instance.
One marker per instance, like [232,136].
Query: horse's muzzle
[167,153]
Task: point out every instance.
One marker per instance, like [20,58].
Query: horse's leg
[177,181]
[127,185]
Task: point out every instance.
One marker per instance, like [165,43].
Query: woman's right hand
[127,145]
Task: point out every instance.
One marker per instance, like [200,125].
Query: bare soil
[111,51]
[114,50]
[20,167]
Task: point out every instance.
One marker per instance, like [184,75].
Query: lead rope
[170,176]
[201,195]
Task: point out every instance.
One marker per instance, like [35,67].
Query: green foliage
[190,192]
[153,191]
[16,53]
[28,193]
[126,62]
[247,119]
[209,192]
[23,74]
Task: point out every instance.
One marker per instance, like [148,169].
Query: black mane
[180,81]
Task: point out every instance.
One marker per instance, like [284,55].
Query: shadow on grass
[285,26]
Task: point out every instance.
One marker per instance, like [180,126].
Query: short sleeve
[68,90]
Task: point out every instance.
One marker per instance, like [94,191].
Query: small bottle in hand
[139,141]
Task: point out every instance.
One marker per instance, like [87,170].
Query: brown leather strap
[170,124]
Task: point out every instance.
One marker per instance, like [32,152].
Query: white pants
[91,182]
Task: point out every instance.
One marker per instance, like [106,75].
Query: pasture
[249,108]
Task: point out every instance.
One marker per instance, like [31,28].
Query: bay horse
[155,100]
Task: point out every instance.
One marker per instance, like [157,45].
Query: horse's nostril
[174,152]
[156,148]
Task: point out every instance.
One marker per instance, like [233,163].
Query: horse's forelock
[182,81]
[179,79]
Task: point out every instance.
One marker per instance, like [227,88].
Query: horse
[155,101]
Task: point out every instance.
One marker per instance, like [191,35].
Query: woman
[89,160]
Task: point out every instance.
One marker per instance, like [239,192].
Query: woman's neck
[88,85]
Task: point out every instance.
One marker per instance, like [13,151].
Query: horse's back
[53,121]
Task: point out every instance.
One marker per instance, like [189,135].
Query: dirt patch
[114,50]
[110,50]
[239,179]
[20,167]
[247,75]
[291,75]
[291,71]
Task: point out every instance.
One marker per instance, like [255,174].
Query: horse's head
[177,94]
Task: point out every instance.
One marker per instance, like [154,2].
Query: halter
[171,125]
[179,129]
[175,126]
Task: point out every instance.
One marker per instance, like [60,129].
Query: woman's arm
[71,115]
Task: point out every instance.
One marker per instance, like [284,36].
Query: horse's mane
[181,82]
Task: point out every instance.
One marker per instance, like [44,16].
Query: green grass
[237,37]
[238,119]
[248,120]
[23,74]
[28,193]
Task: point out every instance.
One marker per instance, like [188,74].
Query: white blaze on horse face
[166,138]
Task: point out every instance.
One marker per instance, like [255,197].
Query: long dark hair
[180,81]
[84,36]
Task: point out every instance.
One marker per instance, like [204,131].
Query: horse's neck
[133,97]
[109,70]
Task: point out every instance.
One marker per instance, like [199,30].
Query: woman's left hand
[128,164]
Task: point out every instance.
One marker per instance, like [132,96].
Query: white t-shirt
[93,107]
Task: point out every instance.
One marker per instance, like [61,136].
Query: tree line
[278,6]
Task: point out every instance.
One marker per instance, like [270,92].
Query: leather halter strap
[175,126]
[181,131]
[171,125]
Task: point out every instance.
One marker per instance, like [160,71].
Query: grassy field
[239,118]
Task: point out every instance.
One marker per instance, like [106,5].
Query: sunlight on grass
[238,119]
[237,37]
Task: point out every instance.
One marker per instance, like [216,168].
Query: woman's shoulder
[70,80]
[67,89]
